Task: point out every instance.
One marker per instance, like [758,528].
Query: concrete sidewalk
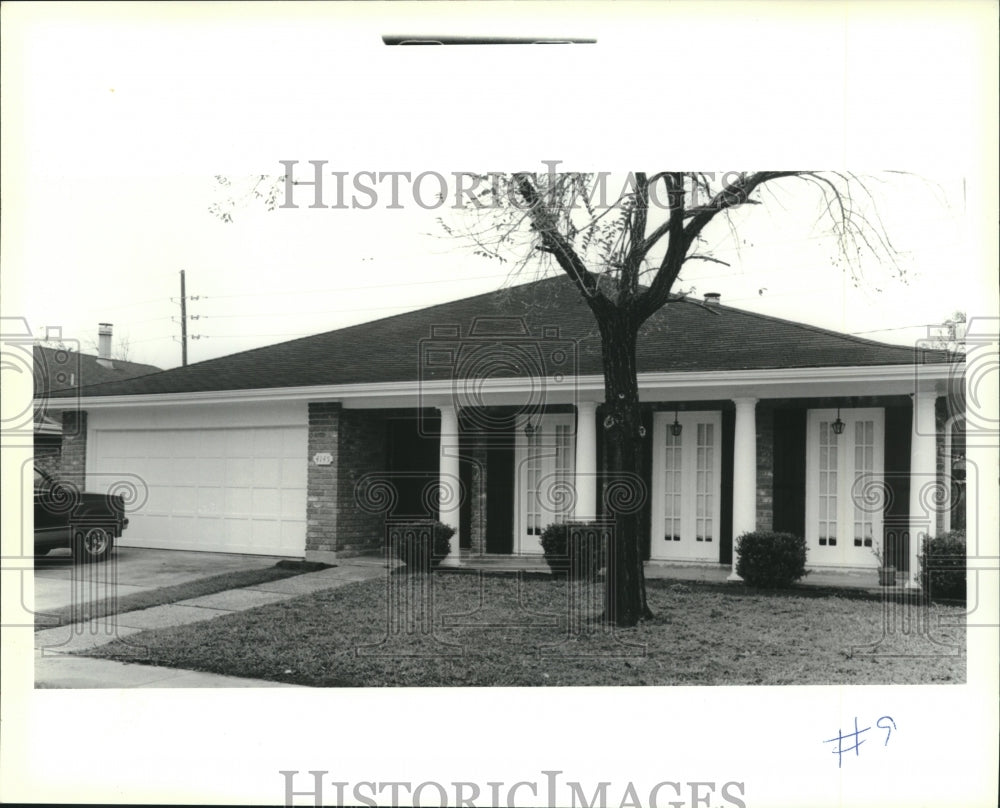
[58,582]
[847,579]
[56,667]
[864,580]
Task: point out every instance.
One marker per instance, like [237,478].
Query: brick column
[478,455]
[74,448]
[322,492]
[765,467]
[943,462]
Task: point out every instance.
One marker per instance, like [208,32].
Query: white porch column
[585,477]
[449,481]
[744,473]
[923,471]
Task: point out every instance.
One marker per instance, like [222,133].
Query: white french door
[844,479]
[544,468]
[687,473]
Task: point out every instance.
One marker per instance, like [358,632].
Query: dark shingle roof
[60,369]
[683,336]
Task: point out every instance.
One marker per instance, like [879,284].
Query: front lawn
[507,630]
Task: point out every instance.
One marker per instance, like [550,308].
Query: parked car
[87,524]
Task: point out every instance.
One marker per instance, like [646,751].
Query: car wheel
[93,544]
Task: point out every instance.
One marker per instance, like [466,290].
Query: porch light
[958,469]
[838,425]
[676,427]
[530,428]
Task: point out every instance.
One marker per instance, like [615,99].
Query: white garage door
[235,490]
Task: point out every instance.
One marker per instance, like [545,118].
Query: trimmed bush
[585,558]
[420,544]
[943,566]
[770,560]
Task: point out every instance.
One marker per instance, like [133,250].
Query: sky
[126,125]
[274,275]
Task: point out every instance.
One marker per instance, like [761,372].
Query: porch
[849,466]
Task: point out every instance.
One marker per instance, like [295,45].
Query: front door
[845,489]
[687,473]
[543,468]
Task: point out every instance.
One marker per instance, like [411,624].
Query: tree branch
[545,224]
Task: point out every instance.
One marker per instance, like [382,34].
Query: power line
[409,306]
[339,289]
[255,336]
[124,305]
[897,328]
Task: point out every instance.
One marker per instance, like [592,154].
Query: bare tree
[625,258]
[950,335]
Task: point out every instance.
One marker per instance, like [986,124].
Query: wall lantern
[676,427]
[838,425]
[958,469]
[530,428]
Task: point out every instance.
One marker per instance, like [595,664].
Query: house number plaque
[322,458]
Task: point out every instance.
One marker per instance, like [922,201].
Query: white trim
[686,386]
[585,471]
[923,477]
[449,476]
[744,468]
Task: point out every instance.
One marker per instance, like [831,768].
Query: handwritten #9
[885,722]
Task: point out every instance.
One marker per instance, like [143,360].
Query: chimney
[712,298]
[104,345]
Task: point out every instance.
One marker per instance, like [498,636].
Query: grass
[80,613]
[506,630]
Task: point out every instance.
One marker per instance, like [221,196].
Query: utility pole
[184,320]
[184,324]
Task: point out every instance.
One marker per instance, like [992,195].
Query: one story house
[58,367]
[487,413]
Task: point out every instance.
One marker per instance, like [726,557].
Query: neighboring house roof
[685,335]
[59,369]
[47,425]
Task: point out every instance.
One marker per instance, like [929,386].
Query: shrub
[585,558]
[943,566]
[420,544]
[770,560]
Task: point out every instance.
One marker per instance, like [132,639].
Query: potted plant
[886,572]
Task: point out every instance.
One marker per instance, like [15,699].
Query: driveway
[58,582]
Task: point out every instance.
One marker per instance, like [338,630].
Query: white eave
[674,386]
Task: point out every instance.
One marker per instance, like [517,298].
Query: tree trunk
[625,588]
